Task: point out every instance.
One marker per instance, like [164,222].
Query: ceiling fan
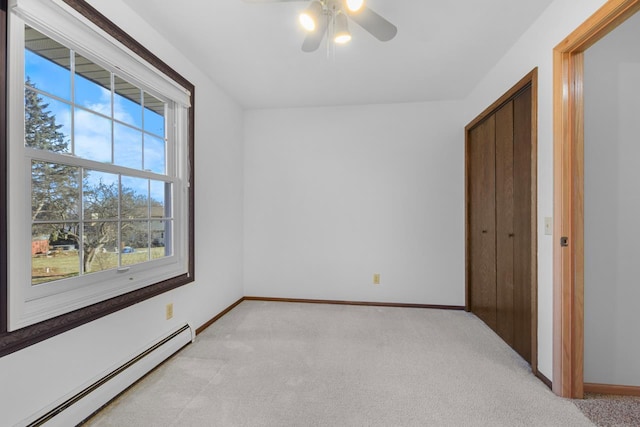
[330,17]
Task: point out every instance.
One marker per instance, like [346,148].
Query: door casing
[568,200]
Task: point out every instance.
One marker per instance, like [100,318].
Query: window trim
[29,335]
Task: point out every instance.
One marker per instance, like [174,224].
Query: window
[100,145]
[87,219]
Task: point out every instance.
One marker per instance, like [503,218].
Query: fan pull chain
[331,29]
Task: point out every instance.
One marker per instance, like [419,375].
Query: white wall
[334,195]
[35,377]
[535,49]
[612,207]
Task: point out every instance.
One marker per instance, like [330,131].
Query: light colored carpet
[611,411]
[286,364]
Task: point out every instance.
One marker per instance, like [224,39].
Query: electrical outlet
[169,311]
[376,279]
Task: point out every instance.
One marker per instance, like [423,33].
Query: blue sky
[92,132]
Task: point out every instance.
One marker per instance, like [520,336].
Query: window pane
[160,239]
[135,241]
[127,148]
[127,103]
[160,191]
[46,123]
[100,195]
[100,245]
[135,198]
[154,154]
[92,86]
[153,115]
[54,192]
[54,252]
[46,64]
[92,136]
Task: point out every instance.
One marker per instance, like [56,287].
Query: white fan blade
[375,24]
[312,41]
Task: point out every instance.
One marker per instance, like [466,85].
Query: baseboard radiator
[85,402]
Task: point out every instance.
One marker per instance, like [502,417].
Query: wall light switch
[548,226]
[169,311]
[376,279]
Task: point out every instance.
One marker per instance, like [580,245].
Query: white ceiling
[252,50]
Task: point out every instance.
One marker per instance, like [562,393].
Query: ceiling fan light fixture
[355,5]
[310,17]
[342,34]
[343,38]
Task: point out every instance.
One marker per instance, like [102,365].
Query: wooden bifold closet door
[499,221]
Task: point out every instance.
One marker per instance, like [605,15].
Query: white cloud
[92,136]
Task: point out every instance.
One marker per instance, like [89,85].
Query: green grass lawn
[64,264]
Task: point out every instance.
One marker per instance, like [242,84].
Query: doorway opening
[568,247]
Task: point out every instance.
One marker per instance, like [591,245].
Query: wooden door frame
[531,79]
[568,202]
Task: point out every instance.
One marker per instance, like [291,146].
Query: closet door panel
[482,242]
[523,239]
[504,223]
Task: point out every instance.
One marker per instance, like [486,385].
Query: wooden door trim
[619,390]
[568,206]
[531,79]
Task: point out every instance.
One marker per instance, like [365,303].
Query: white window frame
[32,304]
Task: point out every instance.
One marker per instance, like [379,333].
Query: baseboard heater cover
[82,404]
